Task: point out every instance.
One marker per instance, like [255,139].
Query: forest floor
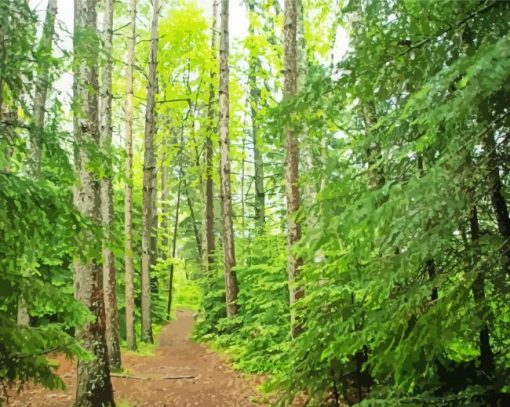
[181,373]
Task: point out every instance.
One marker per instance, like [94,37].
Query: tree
[149,177]
[38,220]
[128,190]
[41,92]
[42,84]
[209,241]
[291,157]
[260,196]
[107,212]
[229,258]
[94,387]
[174,240]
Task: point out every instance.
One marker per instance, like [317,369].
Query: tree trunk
[376,172]
[149,175]
[498,200]
[226,194]
[41,89]
[209,184]
[40,96]
[196,232]
[154,227]
[128,194]
[94,387]
[243,165]
[291,160]
[174,248]
[478,289]
[107,211]
[165,207]
[260,197]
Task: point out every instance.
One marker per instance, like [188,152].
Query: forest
[267,202]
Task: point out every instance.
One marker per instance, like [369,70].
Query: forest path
[181,373]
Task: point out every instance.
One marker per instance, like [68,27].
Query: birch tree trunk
[209,184]
[94,387]
[107,211]
[291,159]
[260,197]
[149,175]
[40,96]
[226,194]
[128,194]
[42,84]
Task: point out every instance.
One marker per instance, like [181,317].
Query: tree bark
[128,194]
[107,211]
[196,231]
[94,387]
[165,207]
[40,96]
[149,175]
[376,172]
[243,196]
[498,200]
[486,355]
[209,248]
[41,88]
[154,227]
[229,259]
[291,161]
[260,197]
[174,248]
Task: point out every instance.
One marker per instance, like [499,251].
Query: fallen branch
[126,376]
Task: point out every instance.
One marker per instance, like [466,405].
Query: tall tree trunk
[478,289]
[243,168]
[128,194]
[291,160]
[94,387]
[107,211]
[260,197]
[165,207]
[41,88]
[229,260]
[498,199]
[196,232]
[176,224]
[209,184]
[41,91]
[174,247]
[149,175]
[154,226]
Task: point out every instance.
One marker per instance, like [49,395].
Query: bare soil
[181,373]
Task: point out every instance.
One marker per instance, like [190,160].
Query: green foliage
[404,184]
[399,144]
[259,334]
[38,224]
[401,199]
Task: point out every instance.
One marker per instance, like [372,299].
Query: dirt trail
[208,382]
